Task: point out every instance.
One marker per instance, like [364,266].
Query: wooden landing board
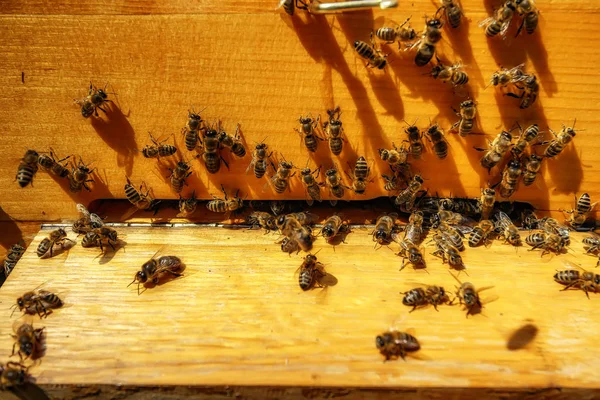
[239,318]
[252,64]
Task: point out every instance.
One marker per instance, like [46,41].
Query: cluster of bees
[13,255]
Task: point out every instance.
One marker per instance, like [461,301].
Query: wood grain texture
[264,70]
[238,317]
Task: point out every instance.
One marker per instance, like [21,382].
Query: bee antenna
[134,279]
[454,276]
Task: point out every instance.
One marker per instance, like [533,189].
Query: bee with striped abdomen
[533,164]
[394,344]
[394,157]
[225,205]
[333,226]
[263,220]
[56,237]
[294,227]
[426,45]
[333,180]
[178,176]
[281,179]
[158,149]
[51,163]
[510,178]
[469,296]
[153,270]
[311,274]
[392,182]
[78,179]
[27,168]
[447,252]
[29,342]
[487,201]
[93,102]
[400,33]
[507,229]
[87,221]
[406,198]
[96,238]
[435,135]
[260,160]
[452,74]
[359,175]
[467,112]
[210,154]
[503,77]
[498,24]
[375,58]
[452,234]
[234,143]
[584,280]
[312,187]
[415,298]
[411,252]
[530,89]
[415,140]
[385,226]
[40,302]
[560,141]
[142,200]
[530,14]
[452,11]
[481,233]
[526,138]
[552,226]
[187,206]
[334,131]
[13,255]
[414,229]
[191,131]
[591,244]
[496,150]
[308,134]
[578,215]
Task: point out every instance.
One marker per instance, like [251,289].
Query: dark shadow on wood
[538,55]
[522,337]
[11,233]
[459,39]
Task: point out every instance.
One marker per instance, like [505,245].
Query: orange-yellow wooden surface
[249,63]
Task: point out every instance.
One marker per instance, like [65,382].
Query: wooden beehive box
[238,324]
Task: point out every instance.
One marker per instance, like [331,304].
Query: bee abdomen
[553,149]
[335,145]
[191,139]
[531,22]
[305,280]
[260,168]
[25,173]
[386,34]
[177,184]
[90,240]
[337,191]
[454,16]
[567,276]
[43,247]
[465,127]
[212,162]
[132,194]
[238,149]
[167,150]
[441,150]
[493,29]
[424,55]
[364,50]
[476,237]
[460,78]
[217,206]
[584,203]
[311,143]
[280,185]
[314,192]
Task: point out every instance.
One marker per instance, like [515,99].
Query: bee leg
[14,345]
[101,109]
[224,162]
[509,94]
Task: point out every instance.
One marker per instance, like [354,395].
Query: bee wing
[83,210]
[487,21]
[481,289]
[504,29]
[96,219]
[464,229]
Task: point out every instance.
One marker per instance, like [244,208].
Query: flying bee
[447,252]
[97,237]
[374,57]
[560,141]
[507,229]
[50,163]
[526,138]
[142,200]
[281,179]
[401,33]
[504,77]
[533,164]
[415,298]
[410,251]
[234,143]
[496,150]
[78,179]
[498,24]
[27,168]
[469,296]
[153,269]
[259,161]
[578,215]
[591,244]
[93,102]
[530,14]
[188,206]
[308,134]
[426,45]
[263,220]
[312,187]
[289,245]
[360,175]
[87,221]
[487,201]
[333,226]
[530,89]
[178,176]
[452,74]
[333,180]
[384,227]
[40,302]
[225,205]
[452,11]
[13,375]
[28,341]
[394,344]
[572,278]
[415,140]
[394,157]
[56,237]
[158,149]
[312,273]
[510,178]
[481,233]
[334,131]
[190,132]
[467,112]
[211,156]
[436,136]
[406,198]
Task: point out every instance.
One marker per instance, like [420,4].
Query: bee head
[305,120]
[211,133]
[380,342]
[305,171]
[418,178]
[327,231]
[311,258]
[141,276]
[489,192]
[21,303]
[467,104]
[514,164]
[383,153]
[382,65]
[434,23]
[331,172]
[26,346]
[506,136]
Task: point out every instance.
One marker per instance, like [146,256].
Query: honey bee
[28,341]
[452,234]
[452,11]
[263,220]
[333,226]
[311,139]
[289,245]
[447,217]
[530,90]
[415,298]
[510,178]
[13,255]
[548,242]
[311,274]
[400,33]
[394,157]
[529,220]
[551,225]
[56,237]
[468,110]
[49,163]
[504,77]
[410,251]
[259,161]
[178,175]
[392,183]
[27,168]
[291,226]
[533,164]
[560,141]
[360,176]
[312,187]
[187,206]
[451,74]
[578,215]
[535,239]
[233,142]
[333,180]
[278,207]
[211,156]
[12,375]
[481,233]
[375,58]
[498,24]
[143,201]
[190,132]
[507,229]
[288,6]
[384,227]
[469,296]
[153,269]
[436,136]
[530,14]
[526,138]
[281,179]
[93,102]
[591,244]
[78,178]
[447,252]
[415,140]
[334,131]
[487,201]
[414,230]
[496,150]
[437,295]
[394,344]
[585,280]
[158,149]
[406,198]
[225,205]
[96,237]
[426,45]
[40,302]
